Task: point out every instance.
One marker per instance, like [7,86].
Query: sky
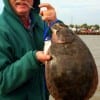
[75,11]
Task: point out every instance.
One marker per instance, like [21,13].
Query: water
[93,42]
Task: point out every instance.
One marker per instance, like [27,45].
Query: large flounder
[71,74]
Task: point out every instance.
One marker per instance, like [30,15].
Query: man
[21,49]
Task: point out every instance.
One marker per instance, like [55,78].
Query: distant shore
[88,33]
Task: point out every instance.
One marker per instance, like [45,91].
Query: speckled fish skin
[71,74]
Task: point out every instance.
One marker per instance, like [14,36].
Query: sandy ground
[97,93]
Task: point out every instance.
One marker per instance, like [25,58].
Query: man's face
[21,7]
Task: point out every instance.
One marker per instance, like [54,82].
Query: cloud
[77,11]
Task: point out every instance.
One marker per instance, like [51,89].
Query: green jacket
[21,75]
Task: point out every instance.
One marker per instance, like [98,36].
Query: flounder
[71,74]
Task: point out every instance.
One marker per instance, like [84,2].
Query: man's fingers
[48,6]
[41,13]
[48,14]
[46,18]
[42,57]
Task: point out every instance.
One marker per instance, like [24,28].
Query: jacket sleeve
[13,74]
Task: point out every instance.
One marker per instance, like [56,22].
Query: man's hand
[42,57]
[48,15]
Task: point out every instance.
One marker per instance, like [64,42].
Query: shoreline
[88,33]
